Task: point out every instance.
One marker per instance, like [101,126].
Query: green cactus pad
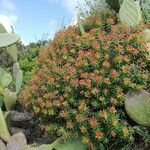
[4,134]
[19,81]
[80,24]
[1,91]
[137,106]
[1,101]
[130,13]
[13,52]
[9,98]
[146,10]
[68,145]
[146,33]
[7,39]
[2,29]
[5,78]
[16,69]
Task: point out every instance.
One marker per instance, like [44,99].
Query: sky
[34,20]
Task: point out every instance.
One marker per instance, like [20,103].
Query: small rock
[17,142]
[14,130]
[20,119]
[2,145]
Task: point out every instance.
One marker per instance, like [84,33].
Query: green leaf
[13,52]
[9,98]
[7,39]
[19,81]
[137,106]
[130,13]
[4,134]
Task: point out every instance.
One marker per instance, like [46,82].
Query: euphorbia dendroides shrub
[81,81]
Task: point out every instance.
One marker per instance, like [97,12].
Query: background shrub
[80,84]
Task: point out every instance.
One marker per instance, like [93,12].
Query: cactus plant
[137,106]
[58,144]
[5,78]
[147,35]
[130,12]
[146,10]
[80,24]
[8,41]
[4,134]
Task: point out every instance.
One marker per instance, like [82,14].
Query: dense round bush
[81,81]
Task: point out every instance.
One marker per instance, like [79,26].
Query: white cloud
[8,14]
[71,6]
[7,5]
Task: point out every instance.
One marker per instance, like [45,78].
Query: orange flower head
[114,122]
[103,114]
[125,131]
[93,122]
[112,110]
[106,64]
[79,118]
[83,129]
[113,73]
[99,134]
[85,140]
[69,125]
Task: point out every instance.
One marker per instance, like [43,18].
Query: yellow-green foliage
[81,81]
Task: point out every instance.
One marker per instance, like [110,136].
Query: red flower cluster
[81,81]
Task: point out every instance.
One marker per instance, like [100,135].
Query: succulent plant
[2,29]
[71,144]
[80,24]
[8,41]
[130,12]
[146,10]
[147,35]
[4,134]
[137,106]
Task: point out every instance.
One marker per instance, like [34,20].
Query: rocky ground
[23,131]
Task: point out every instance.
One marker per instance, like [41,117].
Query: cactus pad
[2,29]
[130,13]
[5,78]
[137,107]
[7,39]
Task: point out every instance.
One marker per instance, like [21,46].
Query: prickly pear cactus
[137,106]
[2,29]
[80,24]
[57,145]
[4,134]
[146,33]
[5,78]
[130,12]
[146,10]
[8,41]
